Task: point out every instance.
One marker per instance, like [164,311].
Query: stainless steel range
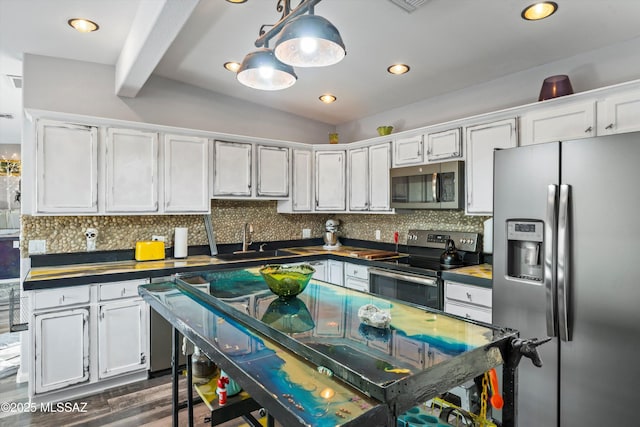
[419,281]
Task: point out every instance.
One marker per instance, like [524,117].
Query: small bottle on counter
[221,391]
[203,369]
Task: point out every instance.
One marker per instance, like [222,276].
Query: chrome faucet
[247,234]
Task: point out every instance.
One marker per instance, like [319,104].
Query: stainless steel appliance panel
[431,186]
[599,363]
[416,289]
[590,214]
[521,177]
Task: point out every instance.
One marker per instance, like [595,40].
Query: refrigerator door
[599,364]
[521,188]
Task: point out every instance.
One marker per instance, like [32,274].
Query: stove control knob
[471,241]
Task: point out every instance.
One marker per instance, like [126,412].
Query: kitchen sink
[254,255]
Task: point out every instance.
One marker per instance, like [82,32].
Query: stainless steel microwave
[432,186]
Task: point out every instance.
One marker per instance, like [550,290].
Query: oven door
[422,290]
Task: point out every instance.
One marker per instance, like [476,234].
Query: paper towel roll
[180,242]
[487,239]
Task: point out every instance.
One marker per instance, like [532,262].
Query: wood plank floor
[145,403]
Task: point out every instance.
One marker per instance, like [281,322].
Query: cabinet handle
[610,126]
[468,296]
[123,292]
[588,130]
[62,299]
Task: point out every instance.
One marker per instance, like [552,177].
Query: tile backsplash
[65,234]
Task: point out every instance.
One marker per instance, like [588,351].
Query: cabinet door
[571,121]
[131,171]
[408,150]
[444,145]
[379,180]
[619,114]
[335,272]
[321,270]
[232,168]
[61,349]
[66,168]
[302,180]
[273,171]
[186,174]
[358,179]
[330,180]
[122,338]
[481,141]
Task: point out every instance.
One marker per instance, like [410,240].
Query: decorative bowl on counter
[384,130]
[287,280]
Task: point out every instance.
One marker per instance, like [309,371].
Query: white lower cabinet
[83,335]
[470,301]
[335,272]
[122,336]
[356,277]
[321,270]
[61,349]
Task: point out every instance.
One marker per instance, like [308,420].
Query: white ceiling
[449,44]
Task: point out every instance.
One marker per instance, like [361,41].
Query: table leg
[175,361]
[190,390]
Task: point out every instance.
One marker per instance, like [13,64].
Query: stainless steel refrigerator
[566,238]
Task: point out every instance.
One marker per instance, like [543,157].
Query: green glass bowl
[384,130]
[287,280]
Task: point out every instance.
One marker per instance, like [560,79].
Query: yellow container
[149,250]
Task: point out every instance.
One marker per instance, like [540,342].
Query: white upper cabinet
[481,141]
[186,173]
[408,150]
[444,145]
[567,121]
[330,180]
[302,193]
[379,181]
[66,168]
[131,168]
[273,171]
[619,113]
[232,169]
[358,169]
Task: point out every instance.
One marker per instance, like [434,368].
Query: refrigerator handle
[549,275]
[564,254]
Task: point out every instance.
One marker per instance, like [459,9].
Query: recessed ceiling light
[398,69]
[232,66]
[539,10]
[237,1]
[83,25]
[327,98]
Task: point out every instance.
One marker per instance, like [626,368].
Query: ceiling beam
[155,26]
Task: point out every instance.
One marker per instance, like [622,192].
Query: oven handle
[402,276]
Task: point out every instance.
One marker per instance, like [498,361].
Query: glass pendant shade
[309,41]
[555,86]
[262,70]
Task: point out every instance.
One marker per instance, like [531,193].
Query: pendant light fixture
[262,70]
[303,41]
[309,41]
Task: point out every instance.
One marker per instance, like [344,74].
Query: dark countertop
[100,272]
[479,275]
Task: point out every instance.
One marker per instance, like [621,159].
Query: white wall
[88,88]
[602,67]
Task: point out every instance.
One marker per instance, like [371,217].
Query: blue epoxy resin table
[273,347]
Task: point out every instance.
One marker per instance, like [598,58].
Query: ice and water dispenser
[524,249]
